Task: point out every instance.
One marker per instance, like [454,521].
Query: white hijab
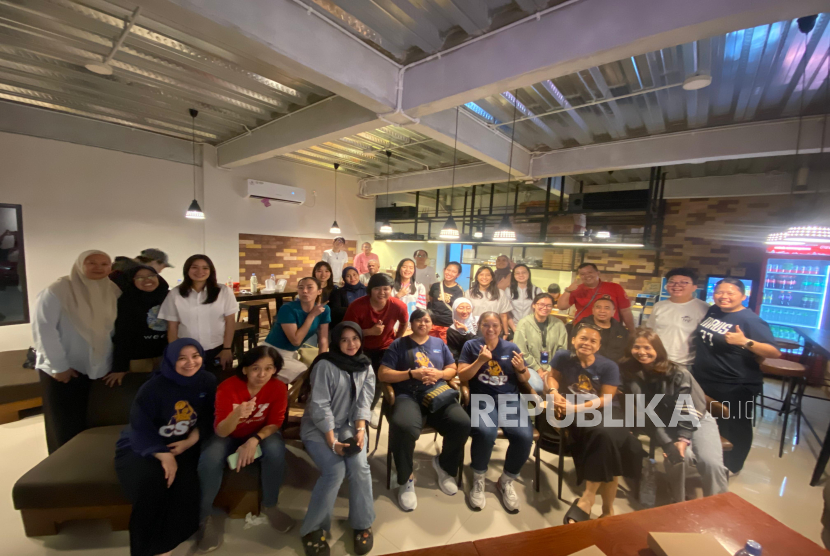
[90,305]
[470,322]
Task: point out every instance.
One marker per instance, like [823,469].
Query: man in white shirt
[374,267]
[337,257]
[676,318]
[424,274]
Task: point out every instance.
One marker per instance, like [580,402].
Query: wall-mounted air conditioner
[276,192]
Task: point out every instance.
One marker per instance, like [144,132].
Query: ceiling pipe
[104,67]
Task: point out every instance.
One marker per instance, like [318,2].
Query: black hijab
[351,364]
[133,296]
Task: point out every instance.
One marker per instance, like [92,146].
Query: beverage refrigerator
[795,289]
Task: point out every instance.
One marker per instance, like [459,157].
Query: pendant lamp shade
[504,231]
[335,229]
[450,229]
[194,211]
[386,227]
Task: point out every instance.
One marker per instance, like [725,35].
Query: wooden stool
[241,330]
[792,374]
[253,313]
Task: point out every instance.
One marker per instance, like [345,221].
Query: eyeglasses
[544,306]
[679,284]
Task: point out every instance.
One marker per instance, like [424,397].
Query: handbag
[432,397]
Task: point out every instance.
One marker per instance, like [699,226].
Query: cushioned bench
[78,481]
[19,387]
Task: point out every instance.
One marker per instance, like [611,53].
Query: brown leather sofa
[78,480]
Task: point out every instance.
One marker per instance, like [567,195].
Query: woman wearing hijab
[140,335]
[72,329]
[342,297]
[157,456]
[333,431]
[464,326]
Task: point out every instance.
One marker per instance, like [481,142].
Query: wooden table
[279,297]
[817,342]
[459,549]
[730,518]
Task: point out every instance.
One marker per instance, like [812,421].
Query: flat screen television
[711,281]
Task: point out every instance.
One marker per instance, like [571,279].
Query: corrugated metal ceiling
[410,30]
[363,154]
[158,73]
[757,74]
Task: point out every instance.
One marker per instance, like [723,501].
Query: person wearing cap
[377,313]
[337,257]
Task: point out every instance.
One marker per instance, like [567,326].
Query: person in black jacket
[614,335]
[140,336]
[157,455]
[341,297]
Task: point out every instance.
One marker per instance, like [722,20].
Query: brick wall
[291,258]
[711,235]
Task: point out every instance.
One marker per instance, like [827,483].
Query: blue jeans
[536,383]
[213,461]
[333,469]
[519,436]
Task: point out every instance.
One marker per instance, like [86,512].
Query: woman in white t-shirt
[337,257]
[413,295]
[202,309]
[486,296]
[521,293]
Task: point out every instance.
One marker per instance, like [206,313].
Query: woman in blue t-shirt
[298,321]
[414,365]
[585,380]
[494,367]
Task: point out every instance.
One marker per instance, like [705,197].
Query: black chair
[253,310]
[553,441]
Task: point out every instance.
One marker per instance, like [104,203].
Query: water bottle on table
[752,548]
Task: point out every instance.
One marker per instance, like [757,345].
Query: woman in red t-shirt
[250,408]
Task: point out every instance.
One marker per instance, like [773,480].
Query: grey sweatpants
[706,455]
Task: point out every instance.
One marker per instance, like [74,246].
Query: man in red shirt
[376,313]
[587,288]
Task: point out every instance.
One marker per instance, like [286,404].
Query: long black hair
[253,355]
[398,277]
[492,289]
[211,285]
[514,284]
[330,283]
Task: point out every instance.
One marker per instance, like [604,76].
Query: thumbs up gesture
[736,337]
[245,409]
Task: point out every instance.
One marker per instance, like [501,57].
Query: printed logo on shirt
[257,415]
[494,376]
[712,326]
[583,387]
[182,421]
[422,360]
[686,318]
[436,351]
[153,320]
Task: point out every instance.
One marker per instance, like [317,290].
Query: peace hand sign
[485,354]
[518,362]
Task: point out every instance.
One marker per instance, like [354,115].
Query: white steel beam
[476,140]
[736,185]
[325,121]
[577,35]
[469,174]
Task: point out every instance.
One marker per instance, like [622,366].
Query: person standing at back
[361,259]
[504,271]
[424,273]
[374,267]
[587,288]
[72,328]
[337,257]
[675,319]
[614,335]
[441,297]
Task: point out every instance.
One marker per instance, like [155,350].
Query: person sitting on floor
[250,407]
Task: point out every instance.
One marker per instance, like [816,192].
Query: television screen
[713,280]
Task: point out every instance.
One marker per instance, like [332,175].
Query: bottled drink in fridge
[788,297]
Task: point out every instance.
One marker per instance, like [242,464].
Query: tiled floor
[778,486]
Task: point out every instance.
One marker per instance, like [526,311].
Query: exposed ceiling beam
[475,139]
[325,121]
[469,174]
[288,37]
[736,185]
[575,36]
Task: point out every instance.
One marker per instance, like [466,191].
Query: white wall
[76,197]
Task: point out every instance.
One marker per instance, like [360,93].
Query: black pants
[64,408]
[405,424]
[162,518]
[375,355]
[739,398]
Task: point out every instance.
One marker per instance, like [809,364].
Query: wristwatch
[549,390]
[748,344]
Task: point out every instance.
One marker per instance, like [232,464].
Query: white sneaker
[476,496]
[446,482]
[407,499]
[508,494]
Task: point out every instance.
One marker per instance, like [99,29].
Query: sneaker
[406,496]
[508,494]
[476,497]
[446,482]
[280,520]
[210,536]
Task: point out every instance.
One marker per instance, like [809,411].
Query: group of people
[426,340]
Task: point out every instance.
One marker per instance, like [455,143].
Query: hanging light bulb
[386,226]
[504,231]
[194,211]
[450,229]
[335,229]
[478,234]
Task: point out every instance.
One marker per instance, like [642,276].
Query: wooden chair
[388,402]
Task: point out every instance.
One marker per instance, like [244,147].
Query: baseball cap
[157,255]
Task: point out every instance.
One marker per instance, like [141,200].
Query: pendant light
[194,211]
[335,229]
[450,229]
[504,231]
[386,227]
